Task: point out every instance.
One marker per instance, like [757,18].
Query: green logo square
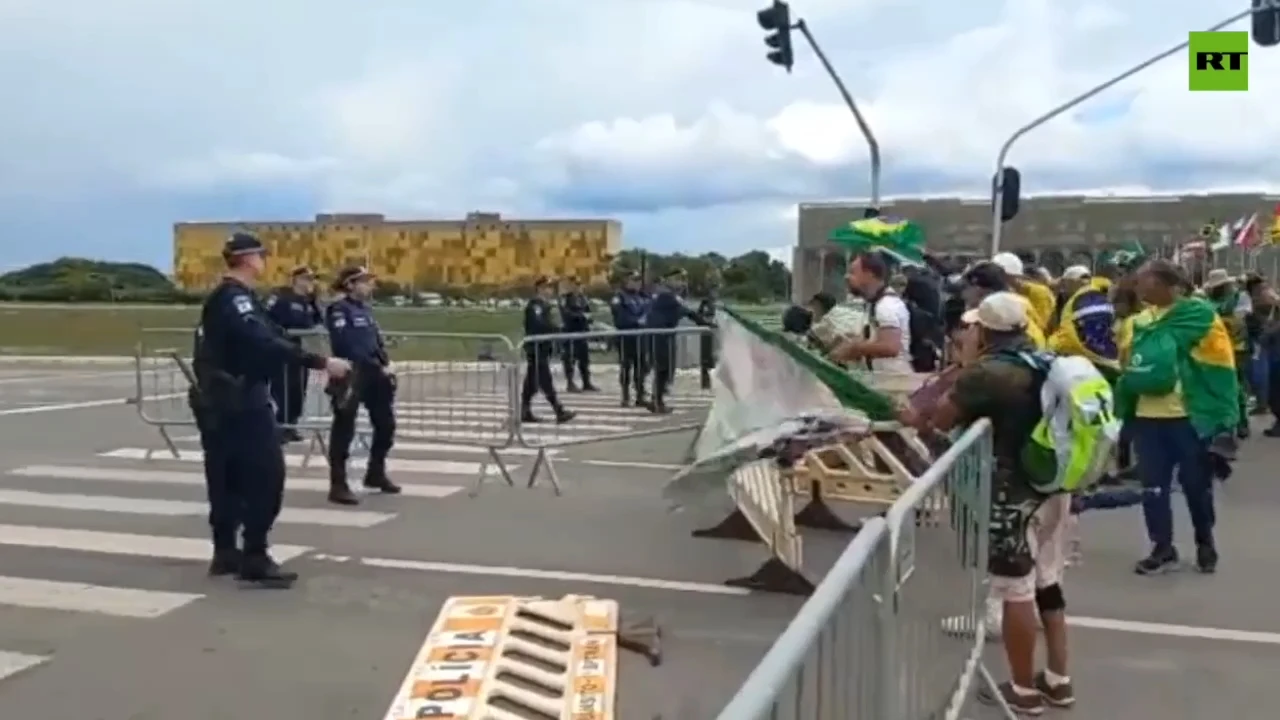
[1219,61]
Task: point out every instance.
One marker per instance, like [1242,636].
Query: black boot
[259,570]
[375,478]
[564,415]
[527,416]
[626,398]
[225,562]
[339,492]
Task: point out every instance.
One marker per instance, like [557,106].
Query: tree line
[749,278]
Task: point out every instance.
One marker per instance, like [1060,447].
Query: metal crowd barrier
[872,642]
[682,351]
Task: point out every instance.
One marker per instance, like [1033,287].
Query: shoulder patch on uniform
[271,301]
[243,304]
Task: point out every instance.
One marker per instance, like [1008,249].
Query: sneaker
[1207,559]
[1060,696]
[1160,561]
[1030,704]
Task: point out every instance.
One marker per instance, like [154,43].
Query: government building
[1054,230]
[483,249]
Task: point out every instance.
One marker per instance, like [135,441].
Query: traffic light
[777,20]
[1266,22]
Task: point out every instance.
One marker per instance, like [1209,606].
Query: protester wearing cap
[294,308]
[986,278]
[1034,290]
[1086,323]
[628,307]
[354,335]
[1234,306]
[238,350]
[538,321]
[665,314]
[995,384]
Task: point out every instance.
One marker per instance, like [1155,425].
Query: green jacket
[1187,347]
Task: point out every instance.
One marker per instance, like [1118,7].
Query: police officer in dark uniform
[354,335]
[537,375]
[575,315]
[293,307]
[665,313]
[237,352]
[629,306]
[707,342]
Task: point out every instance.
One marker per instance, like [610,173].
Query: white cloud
[661,112]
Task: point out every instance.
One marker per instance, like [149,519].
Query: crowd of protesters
[1189,359]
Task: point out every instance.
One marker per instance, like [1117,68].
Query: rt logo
[1219,61]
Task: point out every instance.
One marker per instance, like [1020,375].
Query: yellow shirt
[1035,331]
[1157,406]
[1042,301]
[1124,338]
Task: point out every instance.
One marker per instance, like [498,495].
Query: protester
[1027,545]
[886,345]
[1233,306]
[1261,325]
[987,278]
[1178,392]
[1086,323]
[831,323]
[1037,293]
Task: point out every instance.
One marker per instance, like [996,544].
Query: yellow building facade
[427,255]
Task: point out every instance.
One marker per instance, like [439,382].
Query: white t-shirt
[891,312]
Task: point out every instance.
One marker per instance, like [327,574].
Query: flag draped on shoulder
[902,240]
[769,389]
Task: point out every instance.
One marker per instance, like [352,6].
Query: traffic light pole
[997,199]
[872,144]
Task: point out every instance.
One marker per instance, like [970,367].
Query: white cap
[1011,264]
[1217,277]
[1077,272]
[1002,312]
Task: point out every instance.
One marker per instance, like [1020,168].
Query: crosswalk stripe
[468,407]
[12,663]
[446,448]
[495,435]
[96,599]
[454,414]
[463,424]
[182,508]
[109,543]
[432,467]
[196,479]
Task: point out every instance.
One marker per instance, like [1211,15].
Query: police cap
[543,281]
[348,275]
[243,243]
[302,271]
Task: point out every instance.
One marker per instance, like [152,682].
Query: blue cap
[351,274]
[243,243]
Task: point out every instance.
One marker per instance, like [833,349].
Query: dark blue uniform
[238,349]
[354,336]
[629,308]
[575,314]
[665,313]
[537,375]
[707,343]
[292,311]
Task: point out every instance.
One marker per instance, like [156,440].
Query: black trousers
[289,393]
[537,378]
[575,353]
[244,473]
[632,365]
[377,393]
[1273,387]
[664,366]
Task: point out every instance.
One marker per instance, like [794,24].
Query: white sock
[1054,679]
[1025,692]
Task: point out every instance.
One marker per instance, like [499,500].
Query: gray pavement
[102,586]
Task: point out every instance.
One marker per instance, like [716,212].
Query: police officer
[237,352]
[707,342]
[575,315]
[629,306]
[293,307]
[354,335]
[537,375]
[665,313]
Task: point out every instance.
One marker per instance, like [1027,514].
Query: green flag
[902,240]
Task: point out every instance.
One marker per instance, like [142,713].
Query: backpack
[1070,447]
[923,326]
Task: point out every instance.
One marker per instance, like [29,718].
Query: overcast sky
[123,116]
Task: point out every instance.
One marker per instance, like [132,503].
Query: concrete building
[1055,230]
[483,249]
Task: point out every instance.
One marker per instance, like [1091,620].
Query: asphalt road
[105,611]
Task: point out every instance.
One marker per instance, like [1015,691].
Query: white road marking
[429,447]
[437,467]
[82,405]
[630,464]
[196,479]
[98,599]
[529,573]
[12,663]
[471,407]
[109,543]
[490,427]
[484,416]
[493,435]
[55,377]
[182,508]
[1180,631]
